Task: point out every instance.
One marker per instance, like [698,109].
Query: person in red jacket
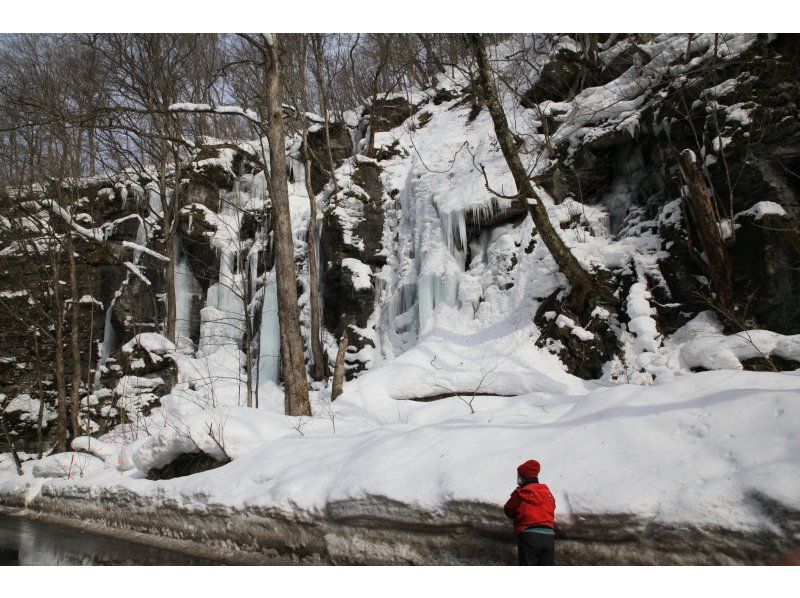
[532,507]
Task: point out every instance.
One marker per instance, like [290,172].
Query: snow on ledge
[151,342]
[762,209]
[360,273]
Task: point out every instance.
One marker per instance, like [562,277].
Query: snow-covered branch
[147,250]
[134,269]
[208,108]
[93,234]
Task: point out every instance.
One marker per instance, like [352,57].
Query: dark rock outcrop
[341,149]
[352,228]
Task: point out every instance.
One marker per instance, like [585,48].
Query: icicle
[108,345]
[141,239]
[269,338]
[186,288]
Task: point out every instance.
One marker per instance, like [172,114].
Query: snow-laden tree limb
[134,269]
[93,234]
[208,108]
[147,250]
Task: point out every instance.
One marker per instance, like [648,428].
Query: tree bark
[577,277]
[61,436]
[292,356]
[40,415]
[10,441]
[699,210]
[248,328]
[323,95]
[338,369]
[318,363]
[75,346]
[171,210]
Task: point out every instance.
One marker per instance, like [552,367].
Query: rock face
[352,230]
[195,242]
[26,275]
[341,149]
[386,114]
[767,257]
[742,117]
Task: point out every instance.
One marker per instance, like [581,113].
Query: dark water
[26,542]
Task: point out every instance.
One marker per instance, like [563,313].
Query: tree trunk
[75,346]
[338,369]
[92,151]
[317,355]
[170,217]
[699,210]
[292,356]
[10,441]
[318,58]
[577,277]
[61,444]
[432,61]
[40,415]
[248,328]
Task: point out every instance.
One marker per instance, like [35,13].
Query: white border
[398,15]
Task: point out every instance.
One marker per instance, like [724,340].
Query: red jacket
[532,504]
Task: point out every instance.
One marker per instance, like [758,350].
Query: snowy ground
[688,451]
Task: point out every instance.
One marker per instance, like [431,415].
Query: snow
[147,250]
[136,271]
[67,465]
[762,209]
[727,352]
[94,234]
[234,110]
[690,451]
[151,342]
[563,321]
[641,321]
[360,273]
[26,408]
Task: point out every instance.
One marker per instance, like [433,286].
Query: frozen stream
[27,542]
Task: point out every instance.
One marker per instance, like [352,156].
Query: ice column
[269,343]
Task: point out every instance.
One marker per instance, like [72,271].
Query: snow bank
[223,433]
[727,352]
[691,451]
[67,465]
[116,455]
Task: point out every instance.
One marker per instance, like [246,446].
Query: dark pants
[536,549]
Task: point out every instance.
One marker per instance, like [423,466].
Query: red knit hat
[529,469]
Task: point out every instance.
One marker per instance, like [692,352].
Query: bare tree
[318,363]
[699,210]
[292,355]
[339,368]
[578,278]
